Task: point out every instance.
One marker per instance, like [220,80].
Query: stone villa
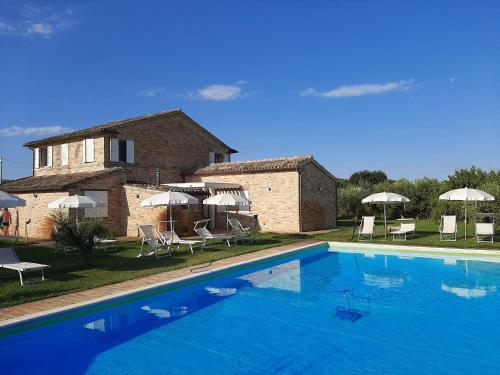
[124,162]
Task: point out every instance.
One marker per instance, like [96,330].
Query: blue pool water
[316,312]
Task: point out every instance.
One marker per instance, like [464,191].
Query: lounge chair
[404,230]
[171,238]
[207,236]
[485,232]
[108,245]
[61,246]
[242,233]
[154,240]
[10,260]
[366,229]
[448,229]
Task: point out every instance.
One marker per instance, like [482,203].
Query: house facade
[123,162]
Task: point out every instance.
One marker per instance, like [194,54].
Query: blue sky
[409,87]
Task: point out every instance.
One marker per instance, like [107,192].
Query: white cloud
[12,131]
[36,21]
[220,92]
[151,92]
[360,90]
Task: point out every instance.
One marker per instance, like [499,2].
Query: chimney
[157,176]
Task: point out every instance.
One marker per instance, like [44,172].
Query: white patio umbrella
[385,198]
[10,201]
[466,194]
[76,201]
[169,198]
[227,199]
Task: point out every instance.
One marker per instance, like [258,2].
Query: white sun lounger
[241,233]
[404,230]
[154,240]
[207,236]
[485,232]
[171,238]
[448,229]
[10,260]
[366,228]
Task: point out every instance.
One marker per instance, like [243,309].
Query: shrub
[80,235]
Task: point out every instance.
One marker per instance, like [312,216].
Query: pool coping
[275,252]
[417,249]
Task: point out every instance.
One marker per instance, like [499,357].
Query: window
[121,151]
[88,150]
[98,211]
[43,157]
[215,157]
[64,154]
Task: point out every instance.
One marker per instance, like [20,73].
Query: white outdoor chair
[207,236]
[241,233]
[366,229]
[171,238]
[154,240]
[10,260]
[485,232]
[404,230]
[448,229]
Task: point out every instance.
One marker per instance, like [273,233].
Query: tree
[367,178]
[81,235]
[472,178]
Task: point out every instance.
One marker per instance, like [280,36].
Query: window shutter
[83,150]
[37,158]
[64,154]
[130,152]
[113,149]
[89,150]
[49,156]
[211,157]
[227,158]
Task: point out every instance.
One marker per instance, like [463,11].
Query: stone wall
[75,159]
[274,196]
[318,199]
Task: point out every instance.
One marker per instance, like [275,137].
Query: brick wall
[37,210]
[75,159]
[173,144]
[318,199]
[135,214]
[274,196]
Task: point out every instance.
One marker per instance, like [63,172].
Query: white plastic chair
[404,230]
[366,228]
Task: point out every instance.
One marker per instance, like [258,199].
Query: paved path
[67,300]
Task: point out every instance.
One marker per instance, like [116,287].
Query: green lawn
[427,234]
[68,273]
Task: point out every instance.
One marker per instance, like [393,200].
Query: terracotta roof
[188,190]
[263,165]
[58,182]
[108,128]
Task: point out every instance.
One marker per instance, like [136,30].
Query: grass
[68,273]
[427,234]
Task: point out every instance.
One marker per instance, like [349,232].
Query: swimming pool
[315,311]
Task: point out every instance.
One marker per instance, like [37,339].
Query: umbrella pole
[385,223]
[227,220]
[171,223]
[465,223]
